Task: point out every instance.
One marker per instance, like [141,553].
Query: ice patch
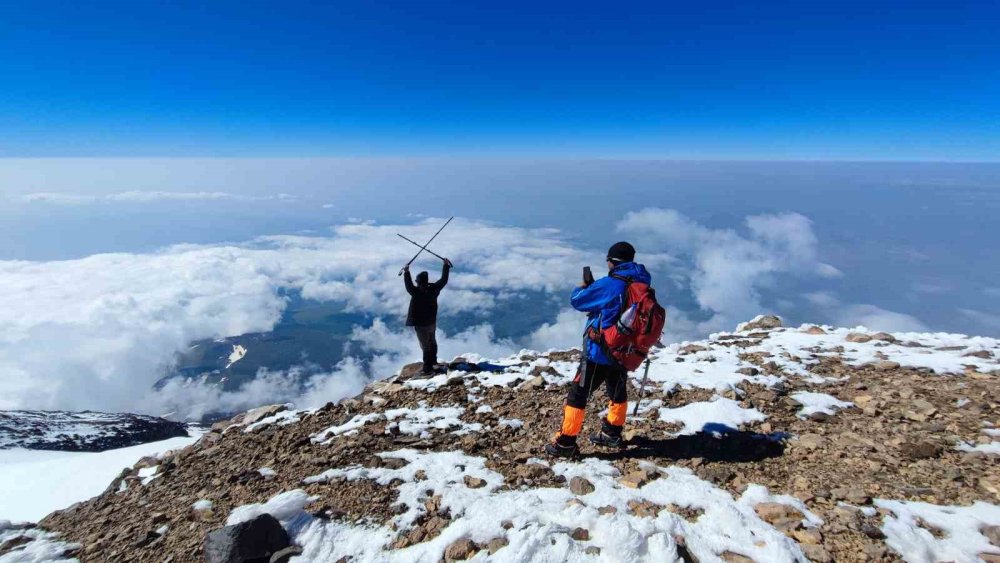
[44,546]
[696,416]
[286,507]
[818,402]
[962,540]
[992,448]
[514,423]
[236,355]
[203,504]
[419,421]
[346,429]
[283,418]
[147,474]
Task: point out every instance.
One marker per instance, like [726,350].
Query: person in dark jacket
[603,301]
[422,315]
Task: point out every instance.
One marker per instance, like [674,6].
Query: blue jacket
[603,300]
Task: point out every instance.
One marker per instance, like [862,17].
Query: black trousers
[427,336]
[594,375]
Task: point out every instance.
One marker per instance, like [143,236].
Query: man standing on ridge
[603,300]
[422,315]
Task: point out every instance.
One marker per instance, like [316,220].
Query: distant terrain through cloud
[99,332]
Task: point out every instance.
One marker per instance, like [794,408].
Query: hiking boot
[607,440]
[609,436]
[562,446]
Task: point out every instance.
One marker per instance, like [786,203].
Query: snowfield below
[34,483]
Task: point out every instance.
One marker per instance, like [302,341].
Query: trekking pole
[642,389]
[424,247]
[418,244]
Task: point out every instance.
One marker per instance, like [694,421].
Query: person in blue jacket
[603,301]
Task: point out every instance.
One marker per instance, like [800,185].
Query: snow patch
[236,355]
[543,519]
[719,411]
[961,541]
[813,403]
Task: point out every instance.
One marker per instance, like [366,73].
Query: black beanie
[621,252]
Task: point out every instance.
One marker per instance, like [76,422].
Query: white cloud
[136,196]
[566,331]
[877,318]
[97,332]
[192,399]
[727,269]
[822,299]
[988,321]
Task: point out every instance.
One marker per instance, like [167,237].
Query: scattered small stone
[872,532]
[851,495]
[992,533]
[883,336]
[920,450]
[731,557]
[496,544]
[772,512]
[857,337]
[815,330]
[811,441]
[984,354]
[817,553]
[580,486]
[763,322]
[592,550]
[460,550]
[394,463]
[809,536]
[284,555]
[474,482]
[580,534]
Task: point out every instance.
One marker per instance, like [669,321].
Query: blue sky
[758,80]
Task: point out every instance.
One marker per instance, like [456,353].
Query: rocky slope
[766,444]
[82,431]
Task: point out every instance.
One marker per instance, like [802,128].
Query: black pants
[427,335]
[591,377]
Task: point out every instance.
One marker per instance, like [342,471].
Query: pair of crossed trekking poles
[645,375]
[424,247]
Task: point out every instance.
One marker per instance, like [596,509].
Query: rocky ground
[871,447]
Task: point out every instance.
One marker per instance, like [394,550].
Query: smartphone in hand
[588,276]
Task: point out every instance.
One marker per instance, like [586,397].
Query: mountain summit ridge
[764,444]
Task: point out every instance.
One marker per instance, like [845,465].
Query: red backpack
[638,327]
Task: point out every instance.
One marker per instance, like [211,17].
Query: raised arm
[444,275]
[408,281]
[595,296]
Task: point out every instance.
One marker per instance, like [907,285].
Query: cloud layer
[97,332]
[724,268]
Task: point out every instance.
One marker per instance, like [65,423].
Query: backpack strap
[628,281]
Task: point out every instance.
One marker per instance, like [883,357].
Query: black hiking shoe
[607,440]
[562,446]
[609,436]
